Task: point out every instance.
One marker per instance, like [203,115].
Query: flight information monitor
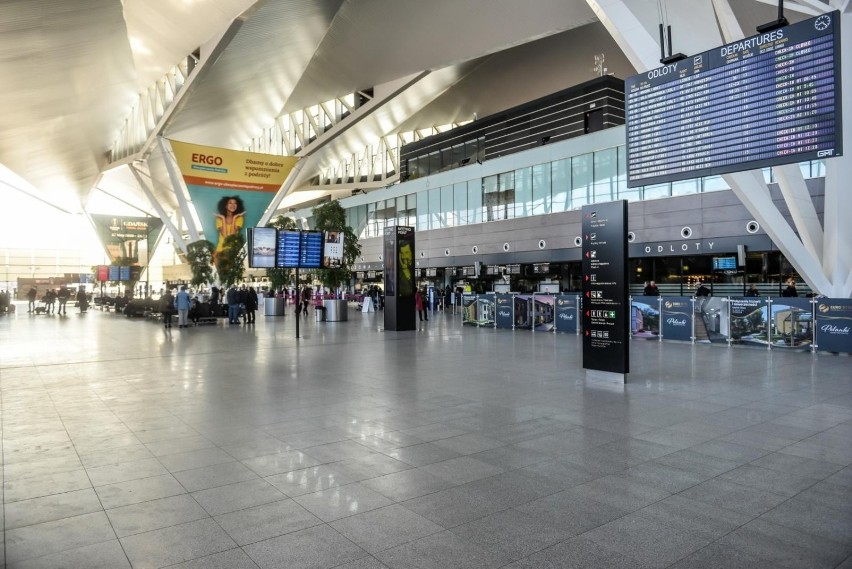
[287,252]
[311,251]
[766,100]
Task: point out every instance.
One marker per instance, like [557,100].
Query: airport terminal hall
[445,284]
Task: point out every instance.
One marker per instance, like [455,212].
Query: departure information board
[766,100]
[310,256]
[287,252]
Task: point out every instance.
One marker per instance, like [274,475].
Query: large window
[605,175]
[542,202]
[561,177]
[448,218]
[460,204]
[523,192]
[581,180]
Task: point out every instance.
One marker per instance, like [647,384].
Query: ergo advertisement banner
[230,189]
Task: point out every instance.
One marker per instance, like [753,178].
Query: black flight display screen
[311,251]
[766,100]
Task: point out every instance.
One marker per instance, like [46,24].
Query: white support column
[167,222]
[282,192]
[751,189]
[801,206]
[837,249]
[177,186]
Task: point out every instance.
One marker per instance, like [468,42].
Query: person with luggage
[82,300]
[49,301]
[62,296]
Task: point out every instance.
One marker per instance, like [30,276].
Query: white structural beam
[282,192]
[167,222]
[177,186]
[827,273]
[837,250]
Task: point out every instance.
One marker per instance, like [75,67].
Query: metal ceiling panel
[68,81]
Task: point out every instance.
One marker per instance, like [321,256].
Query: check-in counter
[273,306]
[336,310]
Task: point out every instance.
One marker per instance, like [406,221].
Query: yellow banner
[231,169]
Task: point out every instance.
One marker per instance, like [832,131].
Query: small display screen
[724,263]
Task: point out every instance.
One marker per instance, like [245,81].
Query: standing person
[306,299]
[31,298]
[193,311]
[420,306]
[651,289]
[62,296]
[752,291]
[183,303]
[167,308]
[49,301]
[82,300]
[233,298]
[251,305]
[214,301]
[791,288]
[243,297]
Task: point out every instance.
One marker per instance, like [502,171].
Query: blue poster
[566,313]
[834,324]
[676,318]
[645,317]
[791,325]
[504,311]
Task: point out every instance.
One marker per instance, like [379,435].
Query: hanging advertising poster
[834,325]
[566,313]
[127,238]
[332,257]
[522,312]
[676,318]
[504,311]
[230,189]
[749,321]
[469,306]
[645,317]
[792,323]
[544,316]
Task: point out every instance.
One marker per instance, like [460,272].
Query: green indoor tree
[200,257]
[331,216]
[230,262]
[280,277]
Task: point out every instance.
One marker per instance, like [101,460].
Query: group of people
[52,297]
[242,304]
[5,302]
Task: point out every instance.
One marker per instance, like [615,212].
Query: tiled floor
[125,444]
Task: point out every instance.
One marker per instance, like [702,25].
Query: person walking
[183,303]
[420,306]
[167,308]
[233,298]
[251,305]
[306,299]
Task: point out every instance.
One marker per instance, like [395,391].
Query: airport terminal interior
[589,389]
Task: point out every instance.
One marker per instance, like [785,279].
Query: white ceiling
[71,70]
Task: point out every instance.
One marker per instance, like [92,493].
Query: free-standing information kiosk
[399,278]
[606,306]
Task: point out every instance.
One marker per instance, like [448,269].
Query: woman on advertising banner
[229,220]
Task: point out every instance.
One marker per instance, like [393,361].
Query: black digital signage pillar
[606,306]
[399,278]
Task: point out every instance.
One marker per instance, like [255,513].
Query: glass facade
[561,185]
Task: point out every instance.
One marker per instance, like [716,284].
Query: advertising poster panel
[676,318]
[834,325]
[522,312]
[566,313]
[230,189]
[389,256]
[504,311]
[469,306]
[792,323]
[486,309]
[332,257]
[263,244]
[545,312]
[645,317]
[606,322]
[125,237]
[405,262]
[749,321]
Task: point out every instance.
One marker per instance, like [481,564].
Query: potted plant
[331,216]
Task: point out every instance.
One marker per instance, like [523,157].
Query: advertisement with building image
[792,323]
[749,321]
[645,317]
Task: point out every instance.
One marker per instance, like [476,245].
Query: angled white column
[167,222]
[282,192]
[177,186]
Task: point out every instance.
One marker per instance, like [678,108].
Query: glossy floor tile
[128,445]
